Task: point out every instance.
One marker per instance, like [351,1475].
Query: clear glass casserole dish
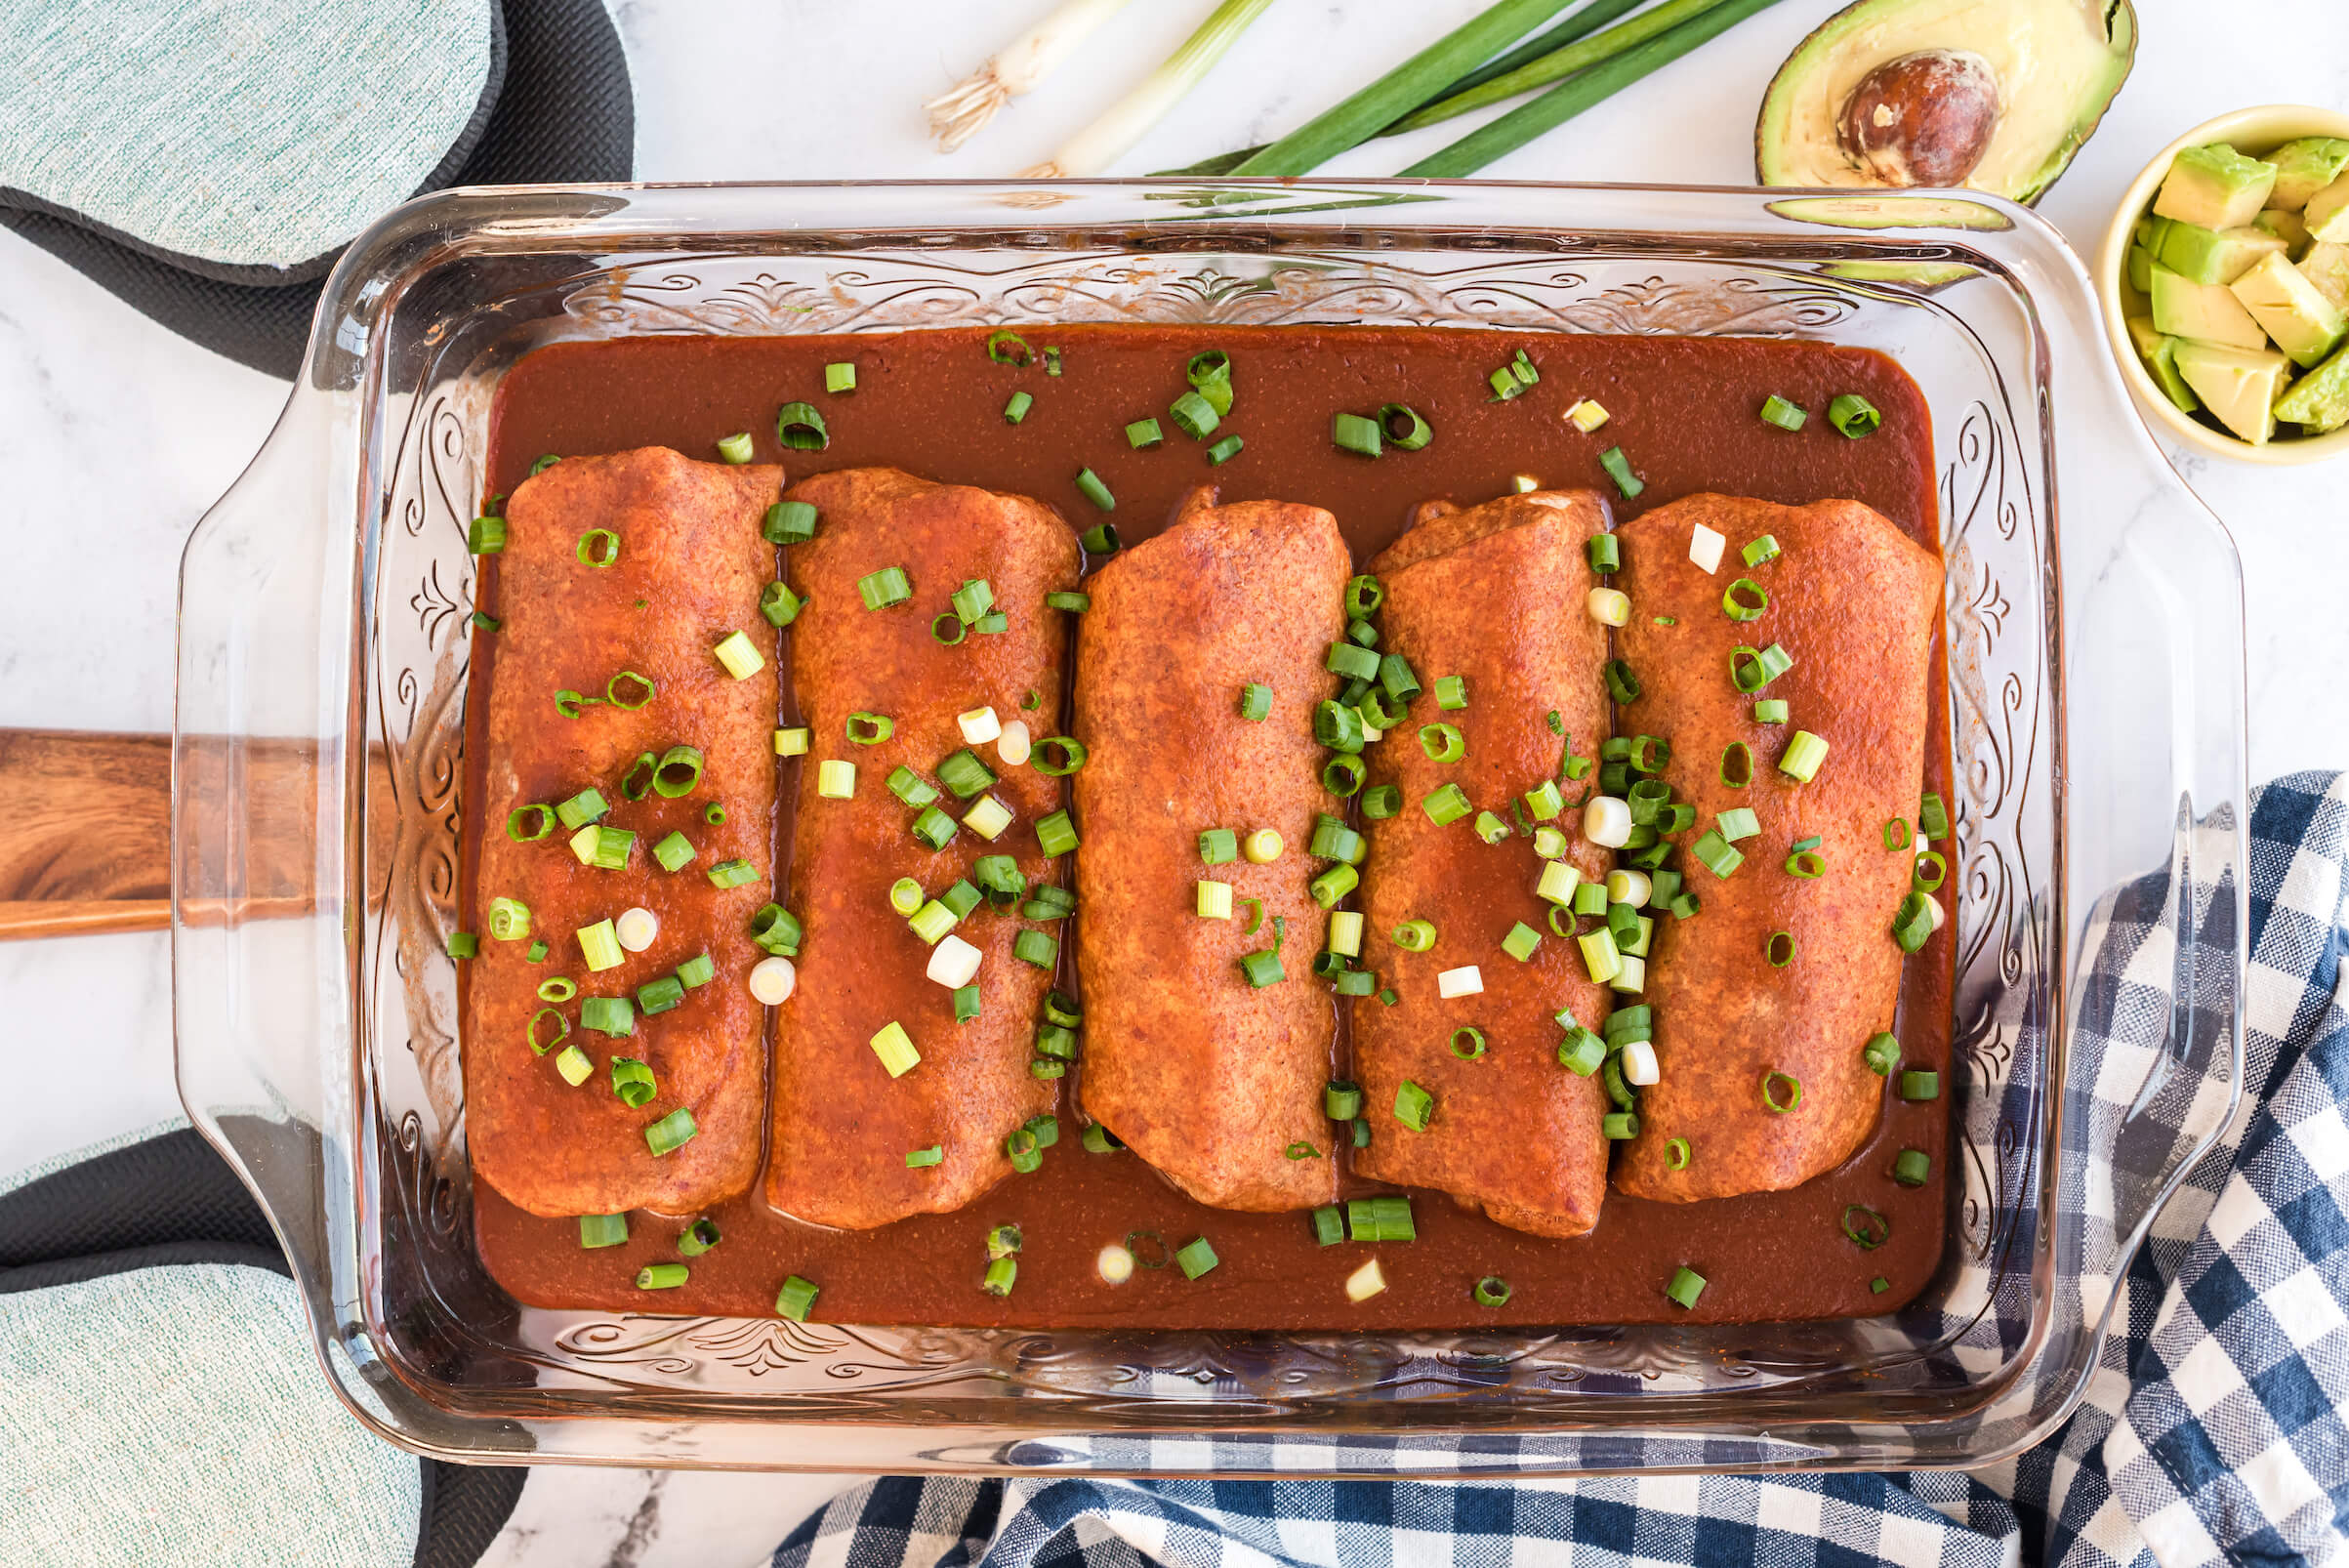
[2096,715]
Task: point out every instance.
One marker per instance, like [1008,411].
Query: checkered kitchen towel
[2212,1429]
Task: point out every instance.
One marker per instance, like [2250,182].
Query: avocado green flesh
[2320,399]
[2237,385]
[2059,64]
[2158,350]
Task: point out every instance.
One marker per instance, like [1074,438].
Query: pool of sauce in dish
[1683,411]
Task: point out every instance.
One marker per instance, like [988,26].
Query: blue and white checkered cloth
[2212,1429]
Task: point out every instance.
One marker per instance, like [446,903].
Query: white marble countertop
[115,435]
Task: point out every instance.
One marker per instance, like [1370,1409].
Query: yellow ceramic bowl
[2255,131]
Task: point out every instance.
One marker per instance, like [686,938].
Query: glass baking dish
[2096,715]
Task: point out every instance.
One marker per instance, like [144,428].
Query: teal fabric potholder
[208,160]
[160,1400]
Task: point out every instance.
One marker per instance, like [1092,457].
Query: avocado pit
[1924,119]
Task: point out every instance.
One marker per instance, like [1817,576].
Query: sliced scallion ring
[800,428]
[1491,1291]
[1443,743]
[1467,1042]
[680,771]
[1868,1228]
[1403,426]
[1006,347]
[1057,756]
[598,548]
[1781,1092]
[514,819]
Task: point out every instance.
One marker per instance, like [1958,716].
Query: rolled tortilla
[1856,601]
[842,1124]
[691,566]
[1494,594]
[1209,1079]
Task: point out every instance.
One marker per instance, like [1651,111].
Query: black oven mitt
[207,164]
[160,1400]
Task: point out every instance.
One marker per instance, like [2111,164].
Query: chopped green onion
[777,929]
[1336,727]
[886,587]
[1622,684]
[1395,675]
[1098,1140]
[1414,1105]
[599,945]
[795,1299]
[1855,416]
[1780,949]
[1919,1084]
[732,873]
[922,1159]
[1468,1040]
[559,989]
[1058,756]
[1446,805]
[1381,800]
[1738,822]
[613,1015]
[697,971]
[1443,743]
[1675,1154]
[911,787]
[1770,710]
[1582,1052]
[1090,486]
[1803,754]
[1211,373]
[1415,935]
[964,774]
[1928,862]
[671,1133]
[1781,1092]
[840,378]
[1912,1167]
[1194,416]
[1341,1101]
[1196,1258]
[1750,670]
[1776,410]
[800,428]
[633,1082]
[1343,774]
[1716,853]
[1686,1286]
[1451,691]
[1262,968]
[598,548]
[1932,818]
[1521,942]
[601,847]
[678,771]
[1758,551]
[486,536]
[792,742]
[1619,1126]
[1349,659]
[788,522]
[1018,409]
[1619,469]
[1866,1227]
[1882,1054]
[538,1019]
[661,995]
[966,1003]
[1037,948]
[1913,922]
[587,806]
[735,448]
[895,1049]
[1218,846]
[1403,426]
[1807,864]
[1351,432]
[602,1230]
[780,605]
[1745,599]
[1605,552]
[1144,433]
[1002,1275]
[905,896]
[739,656]
[933,828]
[1056,835]
[1224,450]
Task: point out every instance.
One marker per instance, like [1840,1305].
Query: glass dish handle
[2155,669]
[261,967]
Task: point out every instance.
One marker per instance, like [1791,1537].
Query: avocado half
[1993,95]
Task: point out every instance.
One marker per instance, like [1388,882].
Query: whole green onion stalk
[1109,139]
[963,110]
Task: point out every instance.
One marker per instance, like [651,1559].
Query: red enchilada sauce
[1684,412]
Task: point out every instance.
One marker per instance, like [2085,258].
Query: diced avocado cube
[2327,214]
[2304,323]
[2140,270]
[2214,187]
[2237,385]
[2210,254]
[2158,350]
[2143,234]
[2320,399]
[2204,312]
[2327,267]
[2287,226]
[2305,167]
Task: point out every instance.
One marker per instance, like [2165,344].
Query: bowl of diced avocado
[2225,285]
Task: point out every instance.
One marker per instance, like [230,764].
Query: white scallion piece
[1587,415]
[1092,150]
[1214,900]
[1346,932]
[1115,1264]
[1558,882]
[979,726]
[772,980]
[1933,911]
[1015,744]
[1365,1282]
[953,963]
[637,929]
[1607,821]
[1369,734]
[1705,547]
[964,109]
[1466,980]
[1639,1063]
[1610,606]
[1629,887]
[1526,484]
